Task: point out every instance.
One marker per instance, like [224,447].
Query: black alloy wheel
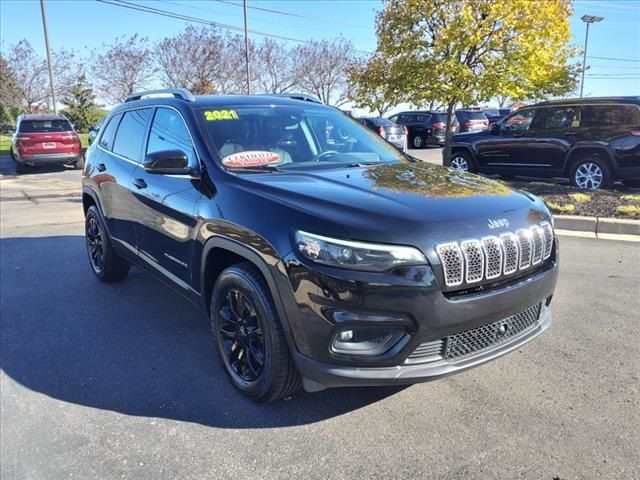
[95,244]
[240,336]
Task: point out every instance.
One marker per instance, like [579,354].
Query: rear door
[164,205]
[118,155]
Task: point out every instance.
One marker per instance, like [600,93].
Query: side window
[611,115]
[168,132]
[106,139]
[557,118]
[521,120]
[130,135]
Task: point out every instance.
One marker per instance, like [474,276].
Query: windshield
[287,137]
[383,122]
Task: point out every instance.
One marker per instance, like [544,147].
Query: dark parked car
[321,264]
[495,114]
[471,120]
[44,139]
[423,127]
[591,141]
[388,130]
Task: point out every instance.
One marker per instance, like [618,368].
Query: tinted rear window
[130,134]
[610,115]
[34,126]
[475,115]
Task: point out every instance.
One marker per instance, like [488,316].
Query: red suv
[45,139]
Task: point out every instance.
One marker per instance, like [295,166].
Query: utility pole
[588,19]
[246,48]
[46,42]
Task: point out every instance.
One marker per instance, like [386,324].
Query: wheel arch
[462,148]
[220,253]
[582,151]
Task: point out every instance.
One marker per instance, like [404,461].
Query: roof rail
[295,96]
[181,93]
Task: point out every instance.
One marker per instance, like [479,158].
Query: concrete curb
[597,225]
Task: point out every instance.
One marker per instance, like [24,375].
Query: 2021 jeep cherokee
[322,255]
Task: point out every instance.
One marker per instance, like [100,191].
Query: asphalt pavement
[121,381]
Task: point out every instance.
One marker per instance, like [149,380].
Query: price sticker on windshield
[252,158]
[214,115]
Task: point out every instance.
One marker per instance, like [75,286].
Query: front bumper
[414,301]
[48,158]
[317,375]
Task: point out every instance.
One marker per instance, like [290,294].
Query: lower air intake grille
[471,341]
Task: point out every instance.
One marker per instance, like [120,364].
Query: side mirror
[495,127]
[170,162]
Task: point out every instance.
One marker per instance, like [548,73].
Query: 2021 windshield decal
[214,115]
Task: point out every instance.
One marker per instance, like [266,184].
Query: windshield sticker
[213,115]
[253,158]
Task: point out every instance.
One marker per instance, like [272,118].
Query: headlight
[368,257]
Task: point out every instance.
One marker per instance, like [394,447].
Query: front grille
[472,341]
[489,258]
[477,339]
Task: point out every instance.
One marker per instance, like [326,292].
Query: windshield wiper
[363,164]
[254,169]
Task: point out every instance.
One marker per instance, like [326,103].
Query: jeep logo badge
[494,223]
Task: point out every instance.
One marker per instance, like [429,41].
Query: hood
[388,202]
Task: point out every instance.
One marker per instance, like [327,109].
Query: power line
[616,59]
[202,21]
[630,67]
[298,15]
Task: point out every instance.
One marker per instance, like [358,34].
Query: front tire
[106,264]
[251,343]
[590,173]
[418,142]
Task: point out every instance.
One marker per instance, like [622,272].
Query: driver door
[507,147]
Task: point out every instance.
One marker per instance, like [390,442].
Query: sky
[613,54]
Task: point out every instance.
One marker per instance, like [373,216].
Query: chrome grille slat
[538,245]
[511,250]
[524,235]
[474,259]
[452,263]
[492,248]
[548,238]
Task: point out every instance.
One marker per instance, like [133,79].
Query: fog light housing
[366,341]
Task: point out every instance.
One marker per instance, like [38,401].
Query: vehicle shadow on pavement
[135,347]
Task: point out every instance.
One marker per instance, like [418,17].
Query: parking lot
[121,381]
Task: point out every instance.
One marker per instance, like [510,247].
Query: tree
[81,109]
[9,92]
[272,68]
[192,59]
[29,72]
[321,69]
[468,52]
[371,86]
[125,67]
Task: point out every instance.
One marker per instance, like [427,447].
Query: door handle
[101,167]
[139,183]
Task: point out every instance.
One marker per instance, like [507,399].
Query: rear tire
[590,173]
[418,142]
[462,162]
[106,264]
[250,340]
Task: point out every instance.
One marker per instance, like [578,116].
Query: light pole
[246,48]
[46,42]
[587,19]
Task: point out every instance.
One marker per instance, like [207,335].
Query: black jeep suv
[591,141]
[321,259]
